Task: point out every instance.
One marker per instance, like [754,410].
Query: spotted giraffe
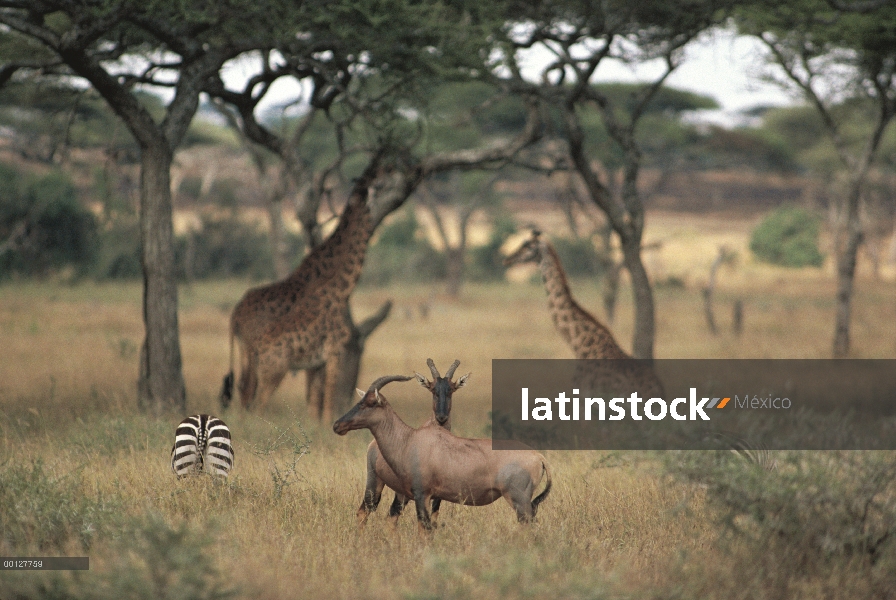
[302,322]
[588,337]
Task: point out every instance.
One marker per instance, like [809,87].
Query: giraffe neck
[585,334]
[556,285]
[337,261]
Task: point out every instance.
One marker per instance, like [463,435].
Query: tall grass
[88,474]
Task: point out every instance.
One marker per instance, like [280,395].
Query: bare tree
[830,58]
[579,39]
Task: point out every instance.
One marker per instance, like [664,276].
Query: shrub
[485,263]
[225,246]
[151,559]
[43,226]
[789,237]
[820,512]
[39,512]
[579,257]
[399,255]
[119,251]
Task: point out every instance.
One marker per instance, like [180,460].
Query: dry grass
[614,526]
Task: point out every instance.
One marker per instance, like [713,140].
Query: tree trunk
[710,289]
[160,386]
[846,271]
[611,291]
[351,362]
[278,236]
[454,270]
[642,340]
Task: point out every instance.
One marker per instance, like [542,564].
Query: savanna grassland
[82,472]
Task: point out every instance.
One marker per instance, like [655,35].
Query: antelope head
[442,389]
[531,251]
[369,409]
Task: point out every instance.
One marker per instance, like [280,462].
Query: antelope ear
[420,378]
[360,392]
[379,399]
[463,380]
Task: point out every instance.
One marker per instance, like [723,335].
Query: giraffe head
[531,251]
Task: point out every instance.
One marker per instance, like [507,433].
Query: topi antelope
[431,462]
[379,473]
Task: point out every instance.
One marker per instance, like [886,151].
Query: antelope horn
[433,369]
[453,366]
[382,381]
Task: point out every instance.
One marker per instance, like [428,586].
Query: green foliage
[151,560]
[579,257]
[226,246]
[667,100]
[48,116]
[817,511]
[223,246]
[486,260]
[40,512]
[119,252]
[400,254]
[788,236]
[43,227]
[160,561]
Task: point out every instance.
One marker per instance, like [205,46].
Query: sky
[719,64]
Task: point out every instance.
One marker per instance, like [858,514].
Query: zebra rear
[202,444]
[753,453]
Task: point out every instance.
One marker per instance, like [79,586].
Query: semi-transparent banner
[694,404]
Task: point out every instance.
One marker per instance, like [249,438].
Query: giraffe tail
[226,396]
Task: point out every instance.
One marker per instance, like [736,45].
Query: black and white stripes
[202,444]
[753,453]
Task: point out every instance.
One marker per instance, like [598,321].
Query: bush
[820,512]
[43,226]
[119,252]
[399,255]
[40,513]
[151,559]
[789,237]
[580,258]
[486,260]
[225,246]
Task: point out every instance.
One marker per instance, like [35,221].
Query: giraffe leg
[248,380]
[331,379]
[315,389]
[269,378]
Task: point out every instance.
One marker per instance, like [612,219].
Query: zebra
[754,453]
[202,444]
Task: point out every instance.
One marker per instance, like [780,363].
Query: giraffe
[302,322]
[588,337]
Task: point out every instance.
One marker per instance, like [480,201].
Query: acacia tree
[579,35]
[121,47]
[832,53]
[373,85]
